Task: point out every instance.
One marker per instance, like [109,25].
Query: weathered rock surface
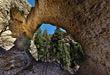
[14,61]
[6,41]
[88,22]
[68,39]
[33,50]
[5,6]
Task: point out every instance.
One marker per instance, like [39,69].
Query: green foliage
[54,48]
[59,48]
[76,54]
[56,43]
[39,31]
[42,44]
[45,32]
[65,53]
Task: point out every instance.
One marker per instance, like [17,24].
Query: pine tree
[39,31]
[43,44]
[65,58]
[46,45]
[76,54]
[59,50]
[45,32]
[56,44]
[39,44]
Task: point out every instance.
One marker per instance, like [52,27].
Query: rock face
[12,61]
[5,6]
[68,39]
[6,41]
[86,20]
[33,50]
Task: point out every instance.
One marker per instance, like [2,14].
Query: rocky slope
[14,61]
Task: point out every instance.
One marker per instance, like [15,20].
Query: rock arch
[86,20]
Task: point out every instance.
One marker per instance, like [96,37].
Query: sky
[51,29]
[32,2]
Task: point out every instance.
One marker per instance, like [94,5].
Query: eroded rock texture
[6,41]
[5,6]
[14,61]
[86,20]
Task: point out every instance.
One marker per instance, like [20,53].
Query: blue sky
[32,2]
[48,27]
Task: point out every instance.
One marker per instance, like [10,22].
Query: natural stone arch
[86,20]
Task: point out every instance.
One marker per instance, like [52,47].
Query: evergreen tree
[46,45]
[37,36]
[56,44]
[45,32]
[39,43]
[43,44]
[56,49]
[39,31]
[59,50]
[76,54]
[65,55]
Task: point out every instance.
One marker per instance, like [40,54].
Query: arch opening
[55,44]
